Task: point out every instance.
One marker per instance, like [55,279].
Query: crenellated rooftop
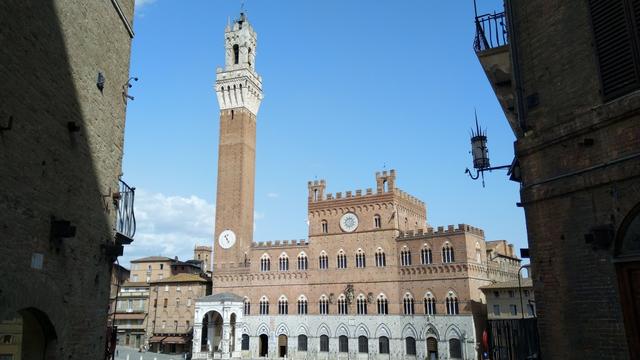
[440,231]
[281,243]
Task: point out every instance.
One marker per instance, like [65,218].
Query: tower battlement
[441,231]
[281,243]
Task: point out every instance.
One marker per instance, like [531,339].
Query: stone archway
[264,346]
[627,257]
[283,346]
[218,319]
[28,334]
[432,348]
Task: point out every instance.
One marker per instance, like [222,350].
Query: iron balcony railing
[491,32]
[125,218]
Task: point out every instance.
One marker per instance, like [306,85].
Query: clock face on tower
[227,239]
[349,222]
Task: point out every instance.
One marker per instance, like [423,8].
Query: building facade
[567,76]
[155,268]
[510,299]
[62,119]
[171,312]
[372,280]
[131,314]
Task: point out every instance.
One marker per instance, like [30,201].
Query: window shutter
[616,45]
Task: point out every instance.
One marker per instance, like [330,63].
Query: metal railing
[491,32]
[125,218]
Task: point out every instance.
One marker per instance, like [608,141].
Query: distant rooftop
[152,258]
[525,282]
[180,278]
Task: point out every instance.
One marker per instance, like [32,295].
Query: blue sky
[350,87]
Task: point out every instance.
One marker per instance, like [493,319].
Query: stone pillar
[226,334]
[197,338]
[210,330]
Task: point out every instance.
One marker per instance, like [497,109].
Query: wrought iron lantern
[480,153]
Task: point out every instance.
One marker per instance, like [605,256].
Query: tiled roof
[134,284]
[181,278]
[525,282]
[222,297]
[152,258]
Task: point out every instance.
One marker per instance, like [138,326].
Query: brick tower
[239,91]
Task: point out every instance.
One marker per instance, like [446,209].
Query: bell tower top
[238,85]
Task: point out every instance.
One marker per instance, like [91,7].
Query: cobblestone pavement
[127,353]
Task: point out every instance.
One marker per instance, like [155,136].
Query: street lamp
[480,153]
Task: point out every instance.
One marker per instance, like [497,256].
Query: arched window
[325,226]
[360,259]
[341,260]
[408,304]
[455,349]
[284,262]
[361,305]
[302,305]
[447,253]
[302,342]
[410,346]
[343,344]
[342,305]
[324,343]
[247,306]
[323,260]
[249,56]
[303,263]
[429,304]
[245,342]
[283,306]
[323,305]
[377,221]
[383,345]
[236,54]
[383,305]
[363,344]
[426,257]
[405,256]
[478,253]
[381,260]
[265,263]
[452,304]
[264,306]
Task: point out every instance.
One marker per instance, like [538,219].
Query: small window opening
[236,53]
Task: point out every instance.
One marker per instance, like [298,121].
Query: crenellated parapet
[440,231]
[280,244]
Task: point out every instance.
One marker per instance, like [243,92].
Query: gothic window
[323,260]
[383,305]
[325,226]
[236,54]
[342,260]
[408,304]
[363,344]
[264,306]
[302,342]
[452,304]
[284,262]
[247,306]
[383,345]
[426,256]
[377,221]
[405,256]
[360,259]
[302,305]
[342,305]
[343,344]
[410,346]
[283,306]
[245,342]
[324,343]
[265,263]
[303,263]
[381,260]
[455,349]
[447,254]
[323,304]
[429,304]
[361,305]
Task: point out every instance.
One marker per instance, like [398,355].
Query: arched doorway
[627,257]
[211,332]
[264,345]
[28,335]
[282,346]
[432,348]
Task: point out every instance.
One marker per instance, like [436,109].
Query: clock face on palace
[349,222]
[227,239]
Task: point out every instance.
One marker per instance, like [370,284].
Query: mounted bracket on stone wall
[61,229]
[8,126]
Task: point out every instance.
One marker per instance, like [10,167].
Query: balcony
[491,45]
[125,227]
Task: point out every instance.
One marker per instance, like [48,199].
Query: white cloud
[141,3]
[170,226]
[273,195]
